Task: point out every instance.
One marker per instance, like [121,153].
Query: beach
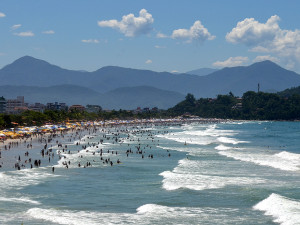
[221,172]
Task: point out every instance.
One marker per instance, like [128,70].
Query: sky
[159,35]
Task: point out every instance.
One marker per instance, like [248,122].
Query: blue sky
[165,35]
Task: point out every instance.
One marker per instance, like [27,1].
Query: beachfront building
[57,106]
[93,108]
[77,108]
[154,109]
[20,109]
[38,107]
[13,105]
[147,109]
[138,110]
[2,104]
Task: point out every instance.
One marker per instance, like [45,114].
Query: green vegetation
[290,91]
[252,106]
[32,118]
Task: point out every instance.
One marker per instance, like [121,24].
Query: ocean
[225,173]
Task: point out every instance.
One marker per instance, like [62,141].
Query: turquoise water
[229,173]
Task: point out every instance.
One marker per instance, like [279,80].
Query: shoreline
[38,146]
[38,143]
[36,135]
[21,153]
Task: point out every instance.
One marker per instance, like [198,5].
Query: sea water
[226,173]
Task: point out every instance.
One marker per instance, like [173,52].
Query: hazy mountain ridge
[141,96]
[124,98]
[34,72]
[202,71]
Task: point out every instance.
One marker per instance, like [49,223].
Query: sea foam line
[286,211]
[189,174]
[145,214]
[283,160]
[19,200]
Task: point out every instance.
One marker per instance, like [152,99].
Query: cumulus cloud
[90,41]
[197,32]
[231,62]
[149,61]
[2,15]
[25,34]
[161,35]
[16,26]
[130,25]
[48,32]
[250,32]
[266,57]
[268,38]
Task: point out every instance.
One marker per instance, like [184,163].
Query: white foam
[63,216]
[222,147]
[202,135]
[288,155]
[194,151]
[188,139]
[146,214]
[188,174]
[230,140]
[23,178]
[19,200]
[285,211]
[283,161]
[211,131]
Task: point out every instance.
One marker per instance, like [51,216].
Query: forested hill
[252,106]
[290,91]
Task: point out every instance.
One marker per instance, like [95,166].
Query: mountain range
[117,87]
[202,71]
[120,98]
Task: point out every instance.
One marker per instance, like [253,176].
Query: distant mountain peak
[29,59]
[28,63]
[265,63]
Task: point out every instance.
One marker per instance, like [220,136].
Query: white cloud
[16,26]
[130,25]
[48,32]
[25,34]
[149,61]
[268,38]
[90,41]
[251,32]
[231,61]
[161,35]
[197,32]
[159,46]
[266,57]
[2,15]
